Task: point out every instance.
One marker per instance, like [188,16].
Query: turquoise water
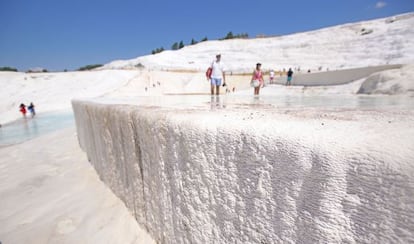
[25,129]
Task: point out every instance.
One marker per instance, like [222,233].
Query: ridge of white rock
[197,175]
[376,42]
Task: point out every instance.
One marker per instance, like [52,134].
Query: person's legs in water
[256,90]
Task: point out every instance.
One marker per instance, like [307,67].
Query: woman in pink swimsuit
[257,76]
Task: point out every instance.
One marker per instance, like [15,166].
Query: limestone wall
[255,176]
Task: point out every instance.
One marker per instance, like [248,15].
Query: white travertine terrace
[219,172]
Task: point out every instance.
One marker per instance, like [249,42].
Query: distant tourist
[31,109]
[23,109]
[217,75]
[272,76]
[257,79]
[289,77]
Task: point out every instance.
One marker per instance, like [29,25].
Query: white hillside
[363,44]
[53,91]
[367,43]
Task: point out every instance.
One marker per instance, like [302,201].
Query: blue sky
[64,34]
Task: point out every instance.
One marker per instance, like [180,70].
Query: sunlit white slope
[51,194]
[367,43]
[53,91]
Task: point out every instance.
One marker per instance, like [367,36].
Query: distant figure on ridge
[217,75]
[31,109]
[289,77]
[257,79]
[23,109]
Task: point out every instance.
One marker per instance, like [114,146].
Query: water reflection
[249,101]
[217,102]
[288,101]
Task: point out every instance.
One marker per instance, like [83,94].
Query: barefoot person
[217,75]
[31,109]
[289,77]
[272,76]
[23,109]
[257,79]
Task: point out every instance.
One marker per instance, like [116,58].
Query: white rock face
[390,82]
[256,175]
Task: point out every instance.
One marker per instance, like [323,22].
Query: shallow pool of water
[29,128]
[288,101]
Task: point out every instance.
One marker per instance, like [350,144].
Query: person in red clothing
[23,109]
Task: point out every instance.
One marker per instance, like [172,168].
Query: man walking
[217,75]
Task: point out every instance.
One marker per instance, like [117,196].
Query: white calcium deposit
[327,160]
[256,175]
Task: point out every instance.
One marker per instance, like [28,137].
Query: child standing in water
[23,109]
[31,109]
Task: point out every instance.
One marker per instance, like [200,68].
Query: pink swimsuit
[258,76]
